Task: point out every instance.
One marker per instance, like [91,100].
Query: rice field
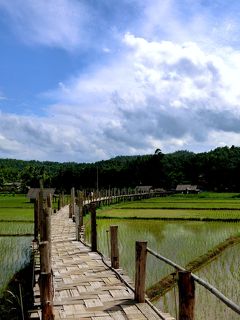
[204,206]
[164,214]
[16,218]
[204,200]
[14,254]
[158,221]
[222,273]
[179,241]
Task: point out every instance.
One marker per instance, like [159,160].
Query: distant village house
[34,192]
[187,188]
[143,189]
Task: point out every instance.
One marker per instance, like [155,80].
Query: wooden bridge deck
[84,287]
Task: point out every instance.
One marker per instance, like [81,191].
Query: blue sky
[86,80]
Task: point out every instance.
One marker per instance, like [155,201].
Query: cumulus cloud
[47,22]
[44,139]
[154,94]
[162,94]
[179,93]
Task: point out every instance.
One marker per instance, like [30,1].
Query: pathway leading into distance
[84,287]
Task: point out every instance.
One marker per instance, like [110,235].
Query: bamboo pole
[36,220]
[46,291]
[40,211]
[72,213]
[186,288]
[77,218]
[140,272]
[80,205]
[114,247]
[48,214]
[93,227]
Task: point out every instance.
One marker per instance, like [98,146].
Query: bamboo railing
[80,204]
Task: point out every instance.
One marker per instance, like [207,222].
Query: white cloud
[160,93]
[154,94]
[41,138]
[48,22]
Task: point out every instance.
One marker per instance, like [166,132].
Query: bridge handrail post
[80,204]
[140,272]
[93,227]
[72,211]
[79,215]
[114,247]
[77,219]
[36,220]
[62,202]
[46,290]
[186,287]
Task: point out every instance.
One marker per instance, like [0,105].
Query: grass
[180,241]
[14,254]
[161,287]
[203,207]
[16,217]
[16,208]
[168,225]
[222,273]
[199,201]
[15,228]
[16,201]
[179,214]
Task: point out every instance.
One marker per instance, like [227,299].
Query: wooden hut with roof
[143,189]
[34,192]
[187,188]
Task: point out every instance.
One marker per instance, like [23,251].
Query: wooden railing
[186,286]
[42,236]
[80,204]
[77,206]
[186,279]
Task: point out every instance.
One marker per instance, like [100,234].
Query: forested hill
[217,170]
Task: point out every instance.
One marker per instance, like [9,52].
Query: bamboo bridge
[72,280]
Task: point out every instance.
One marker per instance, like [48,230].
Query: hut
[187,188]
[34,192]
[143,189]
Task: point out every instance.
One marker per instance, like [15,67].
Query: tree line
[216,170]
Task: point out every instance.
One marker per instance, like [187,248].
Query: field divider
[158,289]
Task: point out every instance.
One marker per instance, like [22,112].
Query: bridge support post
[79,215]
[186,288]
[93,227]
[63,200]
[114,247]
[72,212]
[140,272]
[46,289]
[36,220]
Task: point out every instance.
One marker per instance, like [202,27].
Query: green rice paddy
[181,228]
[205,206]
[167,224]
[16,218]
[222,273]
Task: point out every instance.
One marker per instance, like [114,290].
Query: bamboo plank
[90,303]
[117,315]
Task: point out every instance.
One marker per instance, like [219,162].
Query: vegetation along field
[186,229]
[16,230]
